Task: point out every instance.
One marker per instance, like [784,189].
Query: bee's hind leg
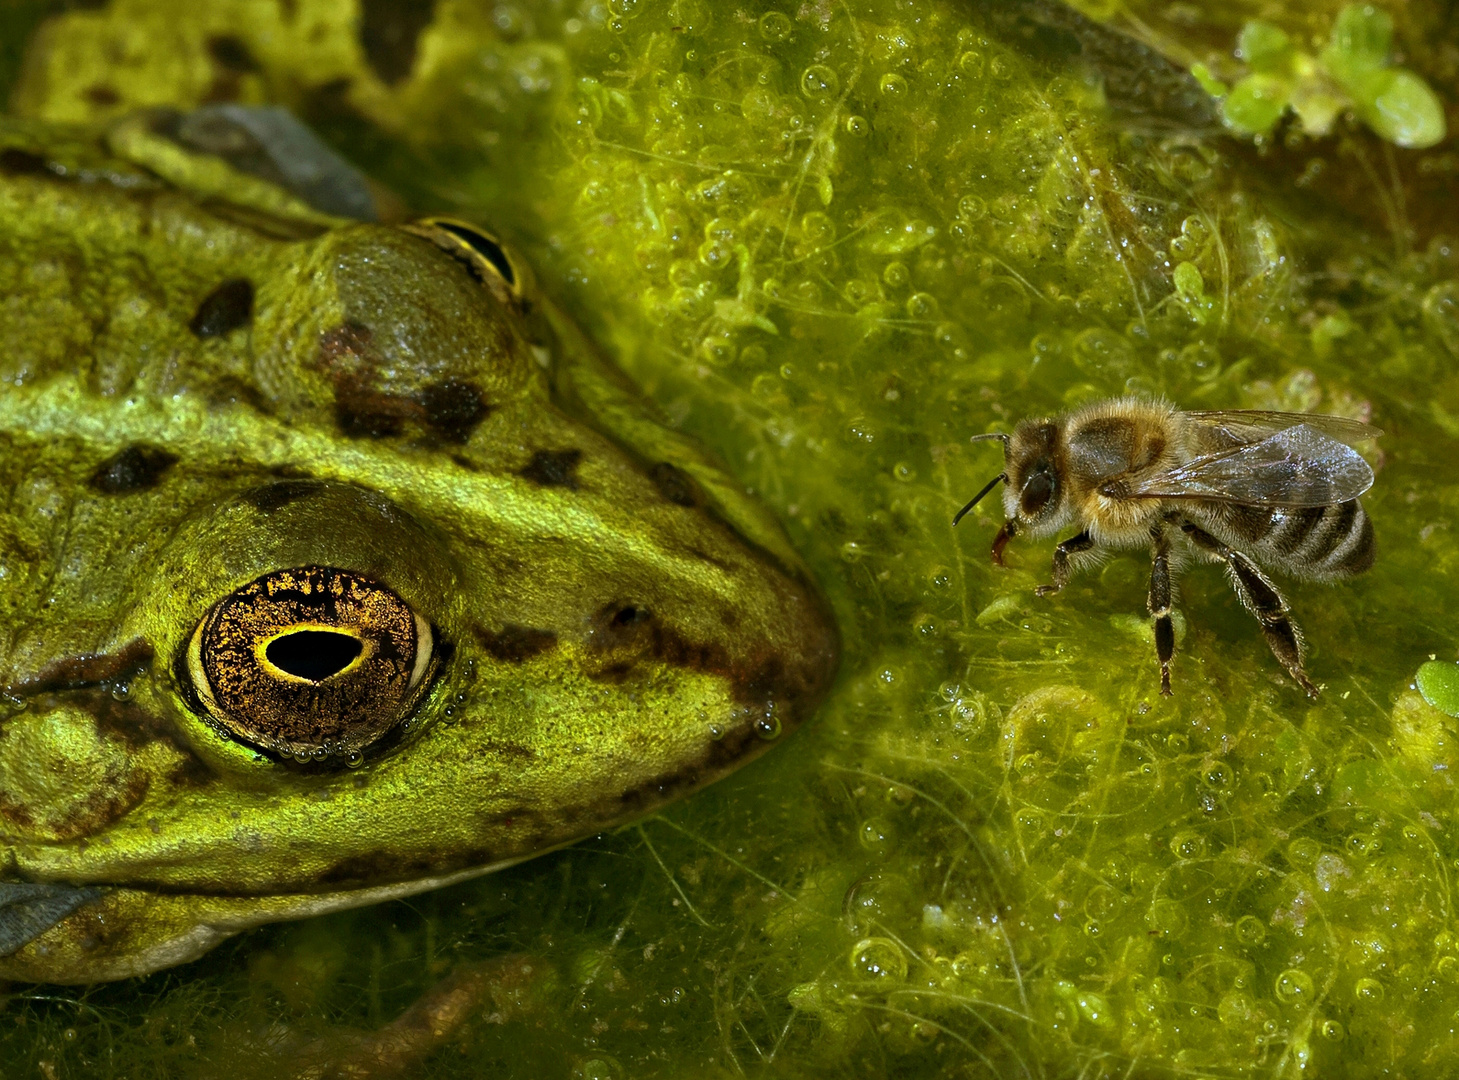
[1159,602]
[1263,599]
[1061,569]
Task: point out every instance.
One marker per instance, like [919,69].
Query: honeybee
[1254,491]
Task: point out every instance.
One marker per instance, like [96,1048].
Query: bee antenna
[1001,436]
[1001,478]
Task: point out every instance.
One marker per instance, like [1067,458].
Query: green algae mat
[833,241]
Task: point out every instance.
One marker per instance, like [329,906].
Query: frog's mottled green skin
[382,412]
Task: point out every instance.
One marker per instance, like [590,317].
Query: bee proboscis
[1254,491]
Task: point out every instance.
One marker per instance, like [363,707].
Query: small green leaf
[1401,107]
[1438,682]
[1209,83]
[1265,48]
[1256,103]
[1362,39]
[1188,281]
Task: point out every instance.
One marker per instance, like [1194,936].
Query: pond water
[834,241]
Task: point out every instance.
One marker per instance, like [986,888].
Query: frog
[338,563]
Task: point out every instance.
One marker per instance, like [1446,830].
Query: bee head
[1034,494]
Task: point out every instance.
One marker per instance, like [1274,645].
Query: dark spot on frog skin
[225,309]
[17,162]
[553,468]
[675,484]
[514,643]
[624,634]
[135,468]
[453,409]
[450,410]
[87,670]
[389,30]
[232,54]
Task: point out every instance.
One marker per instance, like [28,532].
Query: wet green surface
[834,242]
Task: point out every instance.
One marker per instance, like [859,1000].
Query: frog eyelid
[487,258]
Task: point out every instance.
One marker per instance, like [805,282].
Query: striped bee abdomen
[1322,542]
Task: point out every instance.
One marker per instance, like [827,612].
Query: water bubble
[1303,852]
[775,26]
[1250,930]
[1234,1010]
[858,126]
[879,958]
[921,306]
[718,349]
[896,275]
[1167,918]
[1100,902]
[876,835]
[1294,985]
[626,9]
[893,85]
[768,727]
[1188,845]
[1000,68]
[817,228]
[1448,968]
[1216,775]
[818,82]
[972,207]
[1368,991]
[1332,1031]
[972,64]
[716,255]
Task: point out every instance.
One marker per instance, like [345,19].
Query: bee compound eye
[310,662]
[1038,490]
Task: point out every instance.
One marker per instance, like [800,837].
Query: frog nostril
[630,615]
[315,655]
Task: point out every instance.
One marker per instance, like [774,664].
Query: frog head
[352,569]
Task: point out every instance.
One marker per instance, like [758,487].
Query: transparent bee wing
[1254,425]
[1298,466]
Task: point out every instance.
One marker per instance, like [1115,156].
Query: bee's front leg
[1061,569]
[1005,534]
[1159,602]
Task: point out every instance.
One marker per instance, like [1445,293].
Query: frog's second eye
[313,662]
[479,250]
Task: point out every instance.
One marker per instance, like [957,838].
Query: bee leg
[1159,602]
[1005,534]
[1263,599]
[1071,546]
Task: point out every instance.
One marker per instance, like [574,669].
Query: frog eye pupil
[313,654]
[486,247]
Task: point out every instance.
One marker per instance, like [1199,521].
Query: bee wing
[1254,425]
[1298,466]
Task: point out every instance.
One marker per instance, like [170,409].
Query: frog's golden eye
[313,662]
[479,250]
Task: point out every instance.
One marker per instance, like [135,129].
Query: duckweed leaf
[1438,682]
